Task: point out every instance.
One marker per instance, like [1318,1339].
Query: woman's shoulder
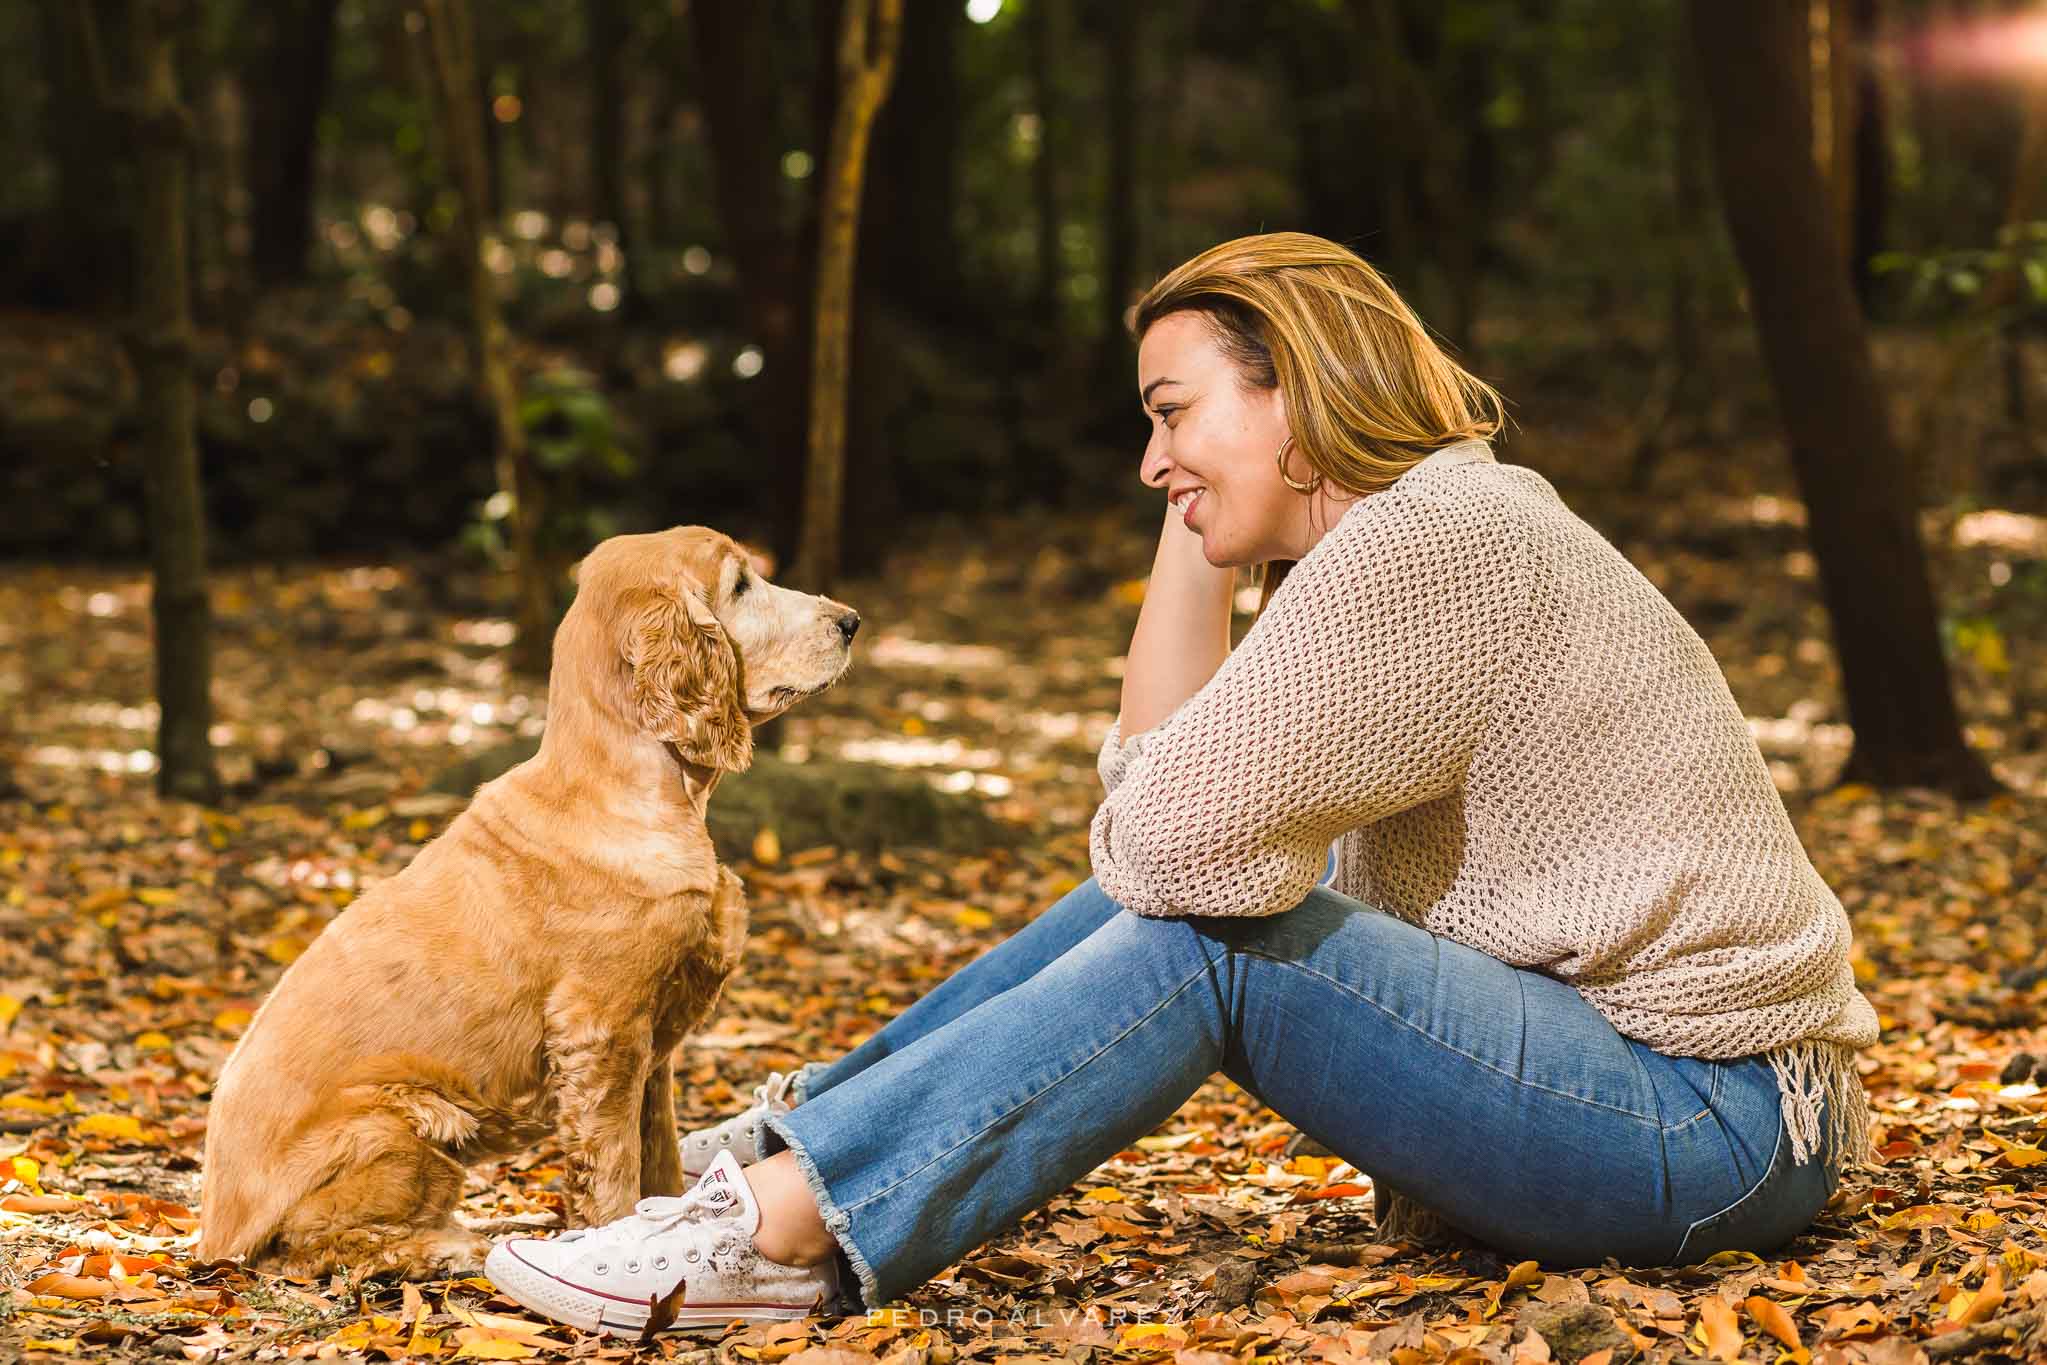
[1456,510]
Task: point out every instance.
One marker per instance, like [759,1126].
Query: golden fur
[534,968]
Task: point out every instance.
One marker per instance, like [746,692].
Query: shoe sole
[588,1311]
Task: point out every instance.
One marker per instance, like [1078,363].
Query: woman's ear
[685,683]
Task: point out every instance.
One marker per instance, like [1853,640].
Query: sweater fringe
[1813,1075]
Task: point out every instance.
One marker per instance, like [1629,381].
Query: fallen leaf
[484,1343]
[1718,1329]
[59,1285]
[125,1126]
[1854,1320]
[1967,1309]
[41,1203]
[1772,1318]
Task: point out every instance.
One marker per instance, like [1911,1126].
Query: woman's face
[1213,446]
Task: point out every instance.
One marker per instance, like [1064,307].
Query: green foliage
[583,465]
[1951,282]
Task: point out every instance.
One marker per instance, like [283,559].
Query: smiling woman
[1284,364]
[1286,380]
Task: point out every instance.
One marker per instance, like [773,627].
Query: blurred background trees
[643,207]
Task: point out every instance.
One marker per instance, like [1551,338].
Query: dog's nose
[848,624]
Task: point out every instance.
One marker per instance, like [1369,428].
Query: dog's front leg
[601,1076]
[660,1151]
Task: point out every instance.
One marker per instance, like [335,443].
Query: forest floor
[139,936]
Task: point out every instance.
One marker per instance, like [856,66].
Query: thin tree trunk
[1837,96]
[909,203]
[1119,247]
[869,32]
[83,257]
[1685,360]
[283,92]
[1872,158]
[1860,498]
[451,44]
[1044,26]
[733,43]
[610,32]
[160,343]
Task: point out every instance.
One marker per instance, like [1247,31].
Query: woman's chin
[1219,556]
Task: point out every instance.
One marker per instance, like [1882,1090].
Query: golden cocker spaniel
[534,968]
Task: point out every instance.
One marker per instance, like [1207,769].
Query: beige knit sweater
[1518,743]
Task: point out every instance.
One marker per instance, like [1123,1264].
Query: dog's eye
[739,583]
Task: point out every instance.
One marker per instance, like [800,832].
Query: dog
[534,968]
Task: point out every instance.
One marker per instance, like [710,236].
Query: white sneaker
[682,1261]
[740,1134]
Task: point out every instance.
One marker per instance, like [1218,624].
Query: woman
[1576,991]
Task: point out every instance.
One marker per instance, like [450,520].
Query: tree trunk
[610,33]
[160,346]
[284,90]
[82,243]
[1860,498]
[1834,87]
[1872,159]
[1044,26]
[735,43]
[1677,375]
[451,44]
[910,204]
[869,32]
[1125,65]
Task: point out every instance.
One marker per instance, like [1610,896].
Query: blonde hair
[1368,392]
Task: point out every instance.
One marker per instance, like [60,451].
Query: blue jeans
[1495,1096]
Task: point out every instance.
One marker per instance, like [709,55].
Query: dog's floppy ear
[685,684]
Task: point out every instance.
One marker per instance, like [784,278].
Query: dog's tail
[355,1124]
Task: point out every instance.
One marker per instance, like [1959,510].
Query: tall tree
[82,245]
[1123,58]
[1872,194]
[451,46]
[910,205]
[610,33]
[161,132]
[734,45]
[1045,29]
[869,33]
[1684,363]
[290,63]
[1859,494]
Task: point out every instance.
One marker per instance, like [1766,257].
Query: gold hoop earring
[1308,487]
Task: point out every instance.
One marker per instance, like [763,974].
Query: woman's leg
[1496,1096]
[1057,928]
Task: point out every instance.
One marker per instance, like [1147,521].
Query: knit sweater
[1516,742]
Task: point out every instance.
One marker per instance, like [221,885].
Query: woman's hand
[1183,629]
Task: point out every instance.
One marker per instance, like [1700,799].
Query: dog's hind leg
[388,1210]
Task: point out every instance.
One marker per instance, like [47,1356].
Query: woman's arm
[1183,630]
[1362,691]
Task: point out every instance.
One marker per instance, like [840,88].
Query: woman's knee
[1119,942]
[1086,902]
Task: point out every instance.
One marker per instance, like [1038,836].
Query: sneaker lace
[772,1090]
[657,1213]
